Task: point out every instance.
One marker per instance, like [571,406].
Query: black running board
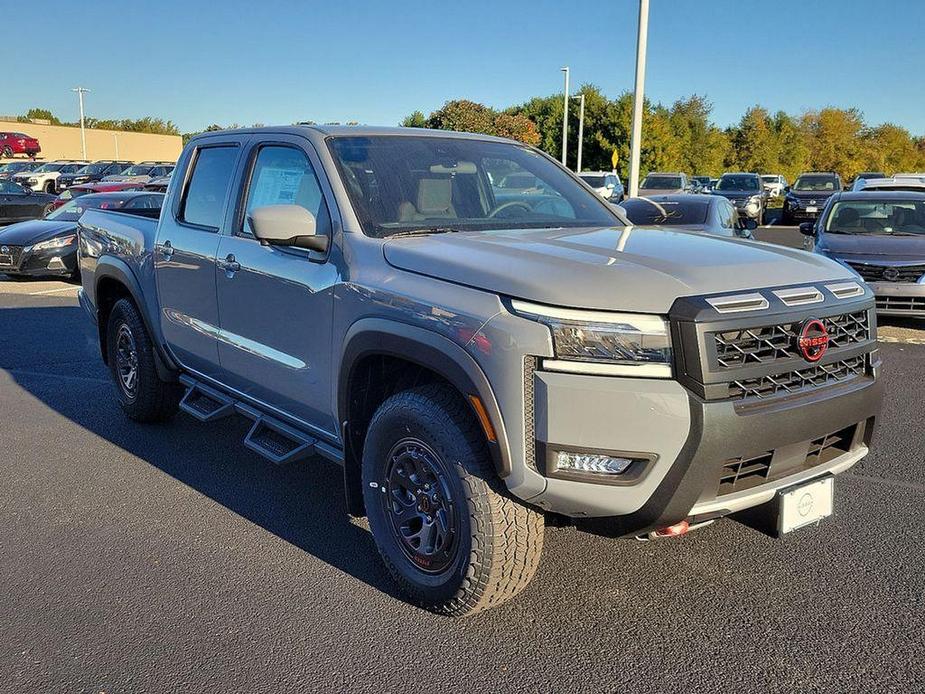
[277,442]
[204,403]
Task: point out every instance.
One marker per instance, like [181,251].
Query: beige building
[61,142]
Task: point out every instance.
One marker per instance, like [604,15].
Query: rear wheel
[452,538]
[7,151]
[50,187]
[142,395]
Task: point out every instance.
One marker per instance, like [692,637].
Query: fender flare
[376,336]
[116,269]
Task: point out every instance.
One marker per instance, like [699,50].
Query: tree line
[682,137]
[148,124]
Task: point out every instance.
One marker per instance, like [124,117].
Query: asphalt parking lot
[165,558]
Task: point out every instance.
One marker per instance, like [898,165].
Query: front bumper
[899,298]
[54,262]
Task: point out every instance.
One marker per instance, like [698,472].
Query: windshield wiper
[424,232]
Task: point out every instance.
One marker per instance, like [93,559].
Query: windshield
[400,183]
[137,170]
[594,181]
[647,212]
[745,182]
[769,179]
[49,167]
[661,182]
[886,217]
[70,212]
[816,183]
[93,168]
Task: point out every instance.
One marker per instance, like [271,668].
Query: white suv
[42,179]
[774,184]
[605,183]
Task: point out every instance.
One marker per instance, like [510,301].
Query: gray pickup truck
[481,359]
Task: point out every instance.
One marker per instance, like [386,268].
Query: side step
[278,442]
[204,403]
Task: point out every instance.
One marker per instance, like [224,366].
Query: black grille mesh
[881,273]
[792,381]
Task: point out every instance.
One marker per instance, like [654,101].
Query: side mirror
[750,224]
[287,225]
[786,189]
[808,228]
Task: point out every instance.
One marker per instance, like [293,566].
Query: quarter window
[285,176]
[205,195]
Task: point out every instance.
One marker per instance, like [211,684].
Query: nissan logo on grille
[4,249]
[891,274]
[812,340]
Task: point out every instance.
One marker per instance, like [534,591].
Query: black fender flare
[116,269]
[376,336]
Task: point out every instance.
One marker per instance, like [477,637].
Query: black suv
[91,173]
[746,192]
[806,198]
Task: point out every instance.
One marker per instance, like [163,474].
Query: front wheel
[446,529]
[142,395]
[7,151]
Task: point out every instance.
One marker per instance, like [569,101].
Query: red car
[99,187]
[18,143]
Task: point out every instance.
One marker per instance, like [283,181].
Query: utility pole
[581,129]
[83,137]
[636,139]
[565,118]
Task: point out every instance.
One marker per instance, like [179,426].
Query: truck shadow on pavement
[302,504]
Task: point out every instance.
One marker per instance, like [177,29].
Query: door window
[204,199]
[284,176]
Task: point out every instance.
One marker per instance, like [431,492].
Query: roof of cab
[353,131]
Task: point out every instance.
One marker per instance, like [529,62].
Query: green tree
[42,114]
[415,120]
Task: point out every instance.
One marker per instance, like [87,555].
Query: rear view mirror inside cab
[459,167]
[286,225]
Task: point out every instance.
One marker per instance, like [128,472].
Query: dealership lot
[138,558]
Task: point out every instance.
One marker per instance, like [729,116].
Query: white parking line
[902,340]
[52,291]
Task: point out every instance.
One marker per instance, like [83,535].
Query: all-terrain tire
[499,539]
[150,399]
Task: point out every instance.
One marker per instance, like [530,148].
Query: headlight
[32,181]
[600,342]
[59,242]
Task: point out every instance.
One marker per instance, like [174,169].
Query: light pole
[581,128]
[83,137]
[565,118]
[636,139]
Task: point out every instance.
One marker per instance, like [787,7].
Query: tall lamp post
[581,128]
[636,139]
[565,118]
[83,137]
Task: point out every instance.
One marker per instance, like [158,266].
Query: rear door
[184,256]
[17,205]
[276,304]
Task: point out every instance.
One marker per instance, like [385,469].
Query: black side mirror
[808,228]
[786,189]
[750,224]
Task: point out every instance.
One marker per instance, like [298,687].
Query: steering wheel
[506,205]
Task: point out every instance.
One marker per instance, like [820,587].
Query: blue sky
[277,62]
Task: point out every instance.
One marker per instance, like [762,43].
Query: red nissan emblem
[813,340]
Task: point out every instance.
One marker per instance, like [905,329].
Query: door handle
[165,249]
[229,264]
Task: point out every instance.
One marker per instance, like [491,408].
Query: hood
[619,269]
[736,194]
[648,192]
[877,249]
[33,231]
[812,194]
[116,178]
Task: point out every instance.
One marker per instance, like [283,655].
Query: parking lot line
[53,291]
[902,340]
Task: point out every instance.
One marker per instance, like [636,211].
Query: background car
[710,214]
[660,183]
[775,184]
[881,236]
[91,173]
[45,176]
[48,247]
[863,177]
[18,203]
[159,185]
[18,143]
[605,183]
[82,189]
[705,183]
[913,185]
[10,169]
[142,173]
[746,192]
[808,195]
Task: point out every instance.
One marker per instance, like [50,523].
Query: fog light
[592,462]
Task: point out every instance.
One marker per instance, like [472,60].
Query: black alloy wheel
[127,361]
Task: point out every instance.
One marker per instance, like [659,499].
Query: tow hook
[676,530]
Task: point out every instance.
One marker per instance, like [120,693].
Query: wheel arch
[378,339]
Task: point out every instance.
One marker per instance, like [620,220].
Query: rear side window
[204,199]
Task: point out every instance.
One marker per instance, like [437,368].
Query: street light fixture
[83,137]
[565,117]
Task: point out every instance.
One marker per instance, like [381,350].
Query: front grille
[889,273]
[16,253]
[901,303]
[762,345]
[794,381]
[742,473]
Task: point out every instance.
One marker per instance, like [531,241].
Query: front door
[16,204]
[184,257]
[276,304]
